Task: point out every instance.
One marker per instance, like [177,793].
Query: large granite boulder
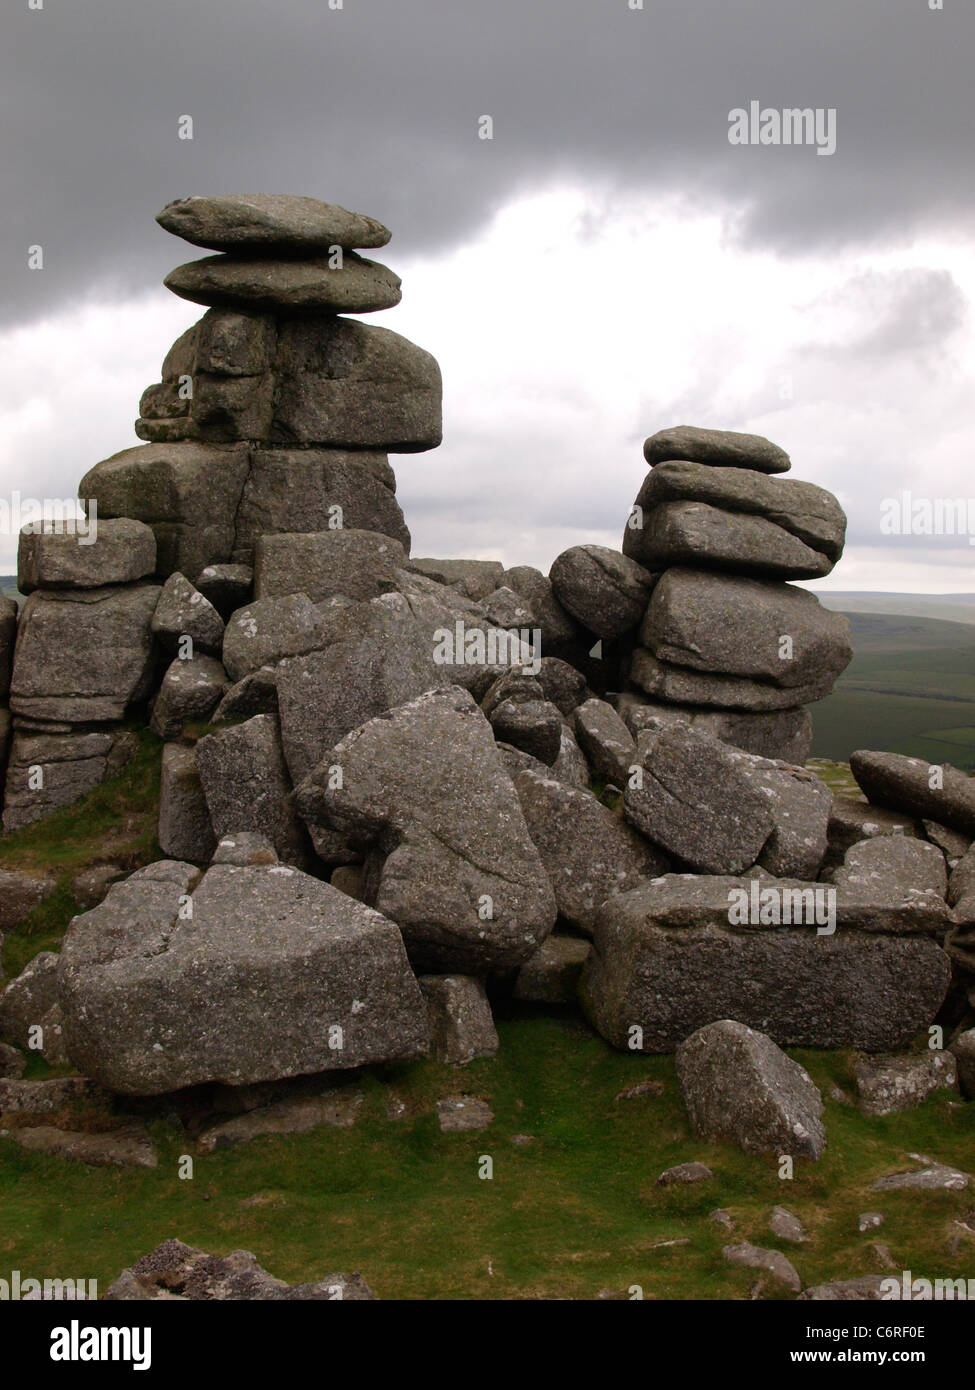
[692,533]
[322,564]
[65,556]
[588,853]
[696,801]
[718,448]
[727,625]
[293,490]
[251,974]
[48,771]
[425,785]
[83,655]
[246,785]
[682,951]
[187,492]
[266,631]
[190,691]
[739,1087]
[348,385]
[936,791]
[680,685]
[604,590]
[782,735]
[800,803]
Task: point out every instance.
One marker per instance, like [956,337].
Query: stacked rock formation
[419,776]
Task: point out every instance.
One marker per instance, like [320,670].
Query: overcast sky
[607,265]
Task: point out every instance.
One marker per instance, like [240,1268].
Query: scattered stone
[66,555]
[297,1115]
[684,1174]
[720,1217]
[772,1261]
[551,975]
[936,1177]
[602,589]
[274,974]
[884,1256]
[868,1286]
[641,1089]
[463,1112]
[123,1148]
[888,1085]
[460,1018]
[785,1225]
[740,1088]
[870,1220]
[177,1271]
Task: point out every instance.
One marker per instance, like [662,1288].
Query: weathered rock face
[187,492]
[321,564]
[783,735]
[680,685]
[732,626]
[887,1085]
[604,590]
[30,1000]
[294,490]
[190,690]
[185,831]
[461,875]
[917,788]
[181,612]
[800,805]
[697,803]
[270,220]
[20,893]
[606,741]
[66,557]
[719,448]
[275,974]
[893,862]
[48,771]
[246,785]
[461,1023]
[83,654]
[688,533]
[739,1087]
[177,1271]
[588,853]
[669,958]
[552,974]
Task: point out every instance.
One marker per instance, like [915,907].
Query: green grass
[574,1213]
[910,688]
[117,823]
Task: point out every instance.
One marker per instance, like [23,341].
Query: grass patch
[574,1212]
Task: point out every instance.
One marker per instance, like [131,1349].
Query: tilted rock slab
[426,784]
[783,735]
[246,785]
[275,974]
[720,448]
[905,784]
[270,221]
[692,533]
[666,958]
[66,556]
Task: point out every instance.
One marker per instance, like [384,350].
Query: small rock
[720,1217]
[787,1226]
[129,1148]
[870,1220]
[888,1085]
[460,1018]
[684,1174]
[772,1261]
[463,1112]
[936,1177]
[869,1286]
[642,1088]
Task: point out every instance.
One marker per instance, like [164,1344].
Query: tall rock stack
[726,641]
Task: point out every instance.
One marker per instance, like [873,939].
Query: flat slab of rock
[320,564]
[808,512]
[312,285]
[177,1271]
[71,764]
[127,1148]
[61,556]
[680,685]
[734,626]
[912,786]
[475,579]
[270,221]
[936,1177]
[867,1287]
[457,1113]
[782,735]
[696,803]
[888,1085]
[52,1097]
[739,1087]
[246,785]
[666,959]
[588,853]
[904,864]
[722,448]
[461,875]
[692,533]
[295,1115]
[604,590]
[772,1262]
[83,655]
[274,974]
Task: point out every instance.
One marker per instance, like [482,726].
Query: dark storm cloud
[375,106]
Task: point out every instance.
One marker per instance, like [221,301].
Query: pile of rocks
[424,775]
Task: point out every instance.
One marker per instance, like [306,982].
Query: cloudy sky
[607,265]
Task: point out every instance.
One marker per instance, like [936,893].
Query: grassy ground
[573,1213]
